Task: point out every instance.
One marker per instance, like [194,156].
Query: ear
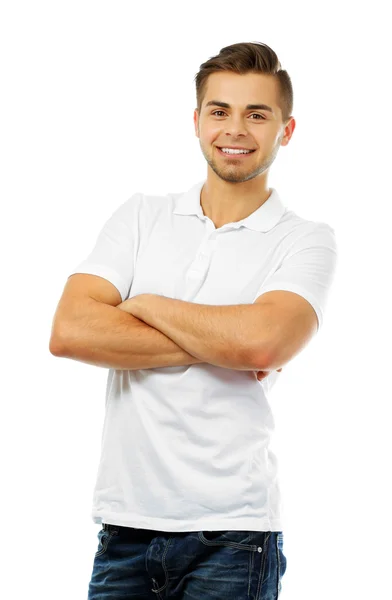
[196,121]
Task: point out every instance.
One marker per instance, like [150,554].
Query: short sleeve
[308,269]
[113,256]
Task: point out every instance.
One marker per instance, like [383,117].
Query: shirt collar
[262,219]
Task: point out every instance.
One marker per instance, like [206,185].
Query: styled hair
[248,57]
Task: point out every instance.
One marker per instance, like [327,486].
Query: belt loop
[107,526]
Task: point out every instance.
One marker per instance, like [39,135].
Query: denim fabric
[143,564]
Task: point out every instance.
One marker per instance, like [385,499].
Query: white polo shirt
[187,448]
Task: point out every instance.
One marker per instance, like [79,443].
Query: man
[184,298]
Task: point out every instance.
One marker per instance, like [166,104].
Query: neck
[229,204]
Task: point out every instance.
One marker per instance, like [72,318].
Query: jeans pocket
[104,538]
[234,539]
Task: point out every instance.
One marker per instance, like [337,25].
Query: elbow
[56,347]
[59,337]
[269,363]
[260,361]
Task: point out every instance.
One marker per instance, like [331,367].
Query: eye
[257,114]
[218,111]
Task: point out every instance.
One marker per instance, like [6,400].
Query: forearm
[225,336]
[107,337]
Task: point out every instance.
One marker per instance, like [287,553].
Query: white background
[97,103]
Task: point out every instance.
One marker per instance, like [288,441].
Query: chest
[203,265]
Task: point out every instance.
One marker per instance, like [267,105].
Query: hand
[262,374]
[131,305]
[126,305]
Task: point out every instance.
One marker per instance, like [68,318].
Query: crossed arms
[261,336]
[226,336]
[150,331]
[160,332]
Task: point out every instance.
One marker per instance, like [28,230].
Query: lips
[240,155]
[251,149]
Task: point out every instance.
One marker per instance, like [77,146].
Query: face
[258,129]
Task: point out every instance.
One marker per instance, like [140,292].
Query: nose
[235,126]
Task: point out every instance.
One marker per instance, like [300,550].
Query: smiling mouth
[236,154]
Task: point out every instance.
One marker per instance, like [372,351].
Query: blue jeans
[143,564]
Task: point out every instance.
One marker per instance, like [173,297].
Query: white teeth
[233,151]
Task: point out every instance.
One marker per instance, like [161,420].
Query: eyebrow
[248,106]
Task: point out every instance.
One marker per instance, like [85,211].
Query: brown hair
[248,57]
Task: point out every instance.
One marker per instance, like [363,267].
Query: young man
[184,298]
